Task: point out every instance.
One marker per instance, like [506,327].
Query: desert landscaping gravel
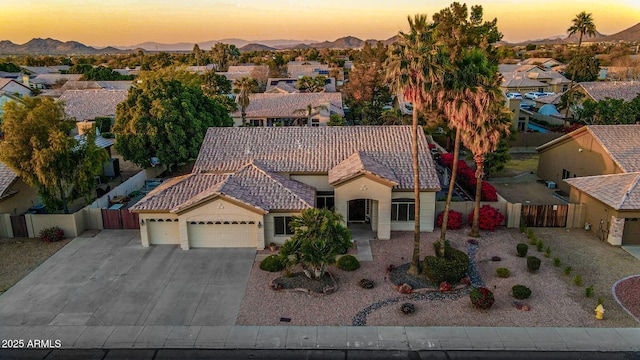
[555,300]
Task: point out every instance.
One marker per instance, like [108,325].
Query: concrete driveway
[111,280]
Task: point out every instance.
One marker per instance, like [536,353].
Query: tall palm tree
[461,99]
[244,87]
[582,24]
[413,71]
[310,110]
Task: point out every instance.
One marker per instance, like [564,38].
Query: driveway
[111,280]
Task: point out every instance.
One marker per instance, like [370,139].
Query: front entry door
[357,210]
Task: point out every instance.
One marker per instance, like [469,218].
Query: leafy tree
[9,67]
[309,111]
[530,47]
[37,147]
[244,87]
[218,87]
[198,54]
[336,120]
[494,161]
[165,119]
[583,68]
[609,111]
[412,70]
[224,55]
[319,236]
[80,69]
[102,73]
[309,84]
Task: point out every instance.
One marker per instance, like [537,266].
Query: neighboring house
[47,81]
[597,163]
[202,68]
[600,90]
[96,85]
[547,63]
[16,196]
[620,73]
[86,105]
[128,71]
[521,83]
[296,69]
[37,70]
[290,85]
[279,109]
[13,87]
[248,182]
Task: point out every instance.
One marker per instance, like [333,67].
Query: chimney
[25,80]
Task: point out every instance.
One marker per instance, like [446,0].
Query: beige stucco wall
[218,209]
[72,224]
[319,182]
[269,229]
[364,188]
[21,201]
[427,211]
[582,155]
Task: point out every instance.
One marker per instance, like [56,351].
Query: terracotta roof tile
[315,150]
[620,191]
[89,104]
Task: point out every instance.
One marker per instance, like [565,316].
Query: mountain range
[49,46]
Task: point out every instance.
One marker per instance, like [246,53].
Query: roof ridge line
[631,187]
[269,175]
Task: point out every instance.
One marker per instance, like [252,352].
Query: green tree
[309,111]
[101,73]
[336,120]
[80,69]
[412,71]
[609,111]
[319,236]
[224,55]
[309,84]
[582,24]
[218,87]
[165,119]
[9,67]
[38,148]
[583,68]
[244,87]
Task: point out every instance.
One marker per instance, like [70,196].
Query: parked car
[514,95]
[534,95]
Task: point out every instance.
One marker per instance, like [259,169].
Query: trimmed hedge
[521,292]
[272,263]
[533,263]
[348,263]
[503,272]
[522,249]
[482,298]
[451,268]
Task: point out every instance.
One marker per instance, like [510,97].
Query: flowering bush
[481,297]
[454,221]
[488,192]
[444,286]
[489,218]
[466,177]
[52,234]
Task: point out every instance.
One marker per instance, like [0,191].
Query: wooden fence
[544,215]
[119,219]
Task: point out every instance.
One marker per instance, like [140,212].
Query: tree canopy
[609,111]
[165,119]
[583,68]
[38,148]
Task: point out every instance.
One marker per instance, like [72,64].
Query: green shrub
[522,228]
[482,298]
[272,263]
[51,234]
[588,292]
[348,263]
[547,252]
[108,135]
[451,268]
[408,308]
[532,237]
[521,292]
[367,283]
[600,300]
[577,280]
[447,248]
[556,262]
[503,272]
[567,270]
[533,263]
[539,245]
[522,249]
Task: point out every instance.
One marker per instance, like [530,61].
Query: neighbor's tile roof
[556,77]
[89,104]
[505,68]
[283,105]
[247,68]
[95,85]
[515,80]
[360,163]
[624,90]
[253,185]
[51,79]
[7,178]
[622,142]
[533,61]
[620,191]
[315,150]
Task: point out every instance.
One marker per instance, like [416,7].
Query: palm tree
[244,87]
[311,110]
[413,71]
[462,101]
[582,24]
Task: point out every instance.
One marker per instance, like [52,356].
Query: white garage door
[163,231]
[209,234]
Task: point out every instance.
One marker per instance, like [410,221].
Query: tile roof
[316,150]
[357,164]
[599,90]
[6,81]
[620,191]
[515,79]
[51,79]
[532,61]
[622,142]
[89,104]
[504,68]
[7,178]
[556,77]
[95,85]
[253,184]
[283,105]
[247,68]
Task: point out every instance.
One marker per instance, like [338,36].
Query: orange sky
[124,23]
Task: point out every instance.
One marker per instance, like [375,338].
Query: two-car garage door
[203,234]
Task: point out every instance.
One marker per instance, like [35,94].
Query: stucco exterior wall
[26,197]
[269,228]
[364,188]
[582,155]
[320,182]
[427,211]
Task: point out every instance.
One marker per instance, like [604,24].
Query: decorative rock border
[328,290]
[613,291]
[474,274]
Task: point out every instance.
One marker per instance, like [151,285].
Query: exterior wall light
[142,222]
[259,225]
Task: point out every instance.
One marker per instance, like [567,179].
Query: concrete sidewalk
[327,337]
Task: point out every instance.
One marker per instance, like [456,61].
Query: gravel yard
[555,300]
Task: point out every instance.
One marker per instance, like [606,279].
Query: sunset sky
[129,22]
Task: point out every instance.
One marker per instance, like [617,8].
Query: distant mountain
[49,46]
[347,42]
[207,45]
[255,47]
[630,34]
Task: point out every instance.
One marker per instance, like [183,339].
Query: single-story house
[248,182]
[600,90]
[86,105]
[589,164]
[290,85]
[12,87]
[16,196]
[280,109]
[548,63]
[297,69]
[47,81]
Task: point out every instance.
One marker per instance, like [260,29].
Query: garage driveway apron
[111,280]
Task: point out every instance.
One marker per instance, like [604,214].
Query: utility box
[112,168]
[551,184]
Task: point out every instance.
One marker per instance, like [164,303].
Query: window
[315,122]
[325,200]
[565,174]
[282,225]
[403,210]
